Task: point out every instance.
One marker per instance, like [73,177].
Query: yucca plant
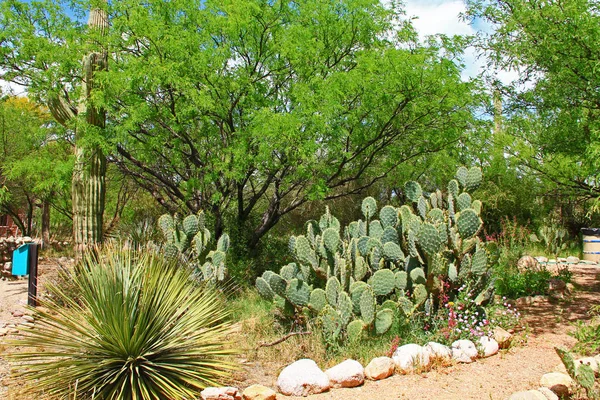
[138,328]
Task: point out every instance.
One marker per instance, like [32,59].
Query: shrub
[140,327]
[514,284]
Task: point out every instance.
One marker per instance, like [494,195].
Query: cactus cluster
[190,238]
[359,278]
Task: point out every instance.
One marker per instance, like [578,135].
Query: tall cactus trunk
[88,190]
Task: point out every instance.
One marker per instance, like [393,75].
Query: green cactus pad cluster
[357,280]
[189,240]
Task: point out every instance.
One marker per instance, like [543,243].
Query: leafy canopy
[251,107]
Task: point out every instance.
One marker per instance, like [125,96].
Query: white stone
[220,393]
[349,373]
[302,378]
[559,383]
[464,351]
[438,350]
[3,331]
[27,318]
[380,368]
[549,394]
[573,260]
[409,356]
[527,395]
[488,346]
[542,259]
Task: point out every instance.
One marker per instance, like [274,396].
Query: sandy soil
[497,377]
[13,297]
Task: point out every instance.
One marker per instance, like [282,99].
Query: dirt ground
[13,297]
[517,369]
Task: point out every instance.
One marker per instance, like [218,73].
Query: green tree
[552,113]
[35,164]
[258,107]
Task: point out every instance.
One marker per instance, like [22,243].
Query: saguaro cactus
[88,190]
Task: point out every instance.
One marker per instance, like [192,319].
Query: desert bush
[139,328]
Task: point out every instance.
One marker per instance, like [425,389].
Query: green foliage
[188,240]
[36,162]
[139,327]
[375,274]
[514,284]
[365,93]
[553,237]
[553,123]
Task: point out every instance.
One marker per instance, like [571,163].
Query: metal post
[33,275]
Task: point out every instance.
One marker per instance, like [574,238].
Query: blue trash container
[20,260]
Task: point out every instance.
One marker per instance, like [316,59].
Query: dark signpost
[25,262]
[33,275]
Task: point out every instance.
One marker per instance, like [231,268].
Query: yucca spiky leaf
[138,328]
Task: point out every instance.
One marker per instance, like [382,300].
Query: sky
[431,17]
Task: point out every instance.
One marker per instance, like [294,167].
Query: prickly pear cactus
[189,239]
[358,279]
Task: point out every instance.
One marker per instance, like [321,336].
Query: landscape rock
[557,285]
[409,356]
[561,260]
[380,368]
[559,383]
[349,373]
[488,346]
[3,331]
[220,393]
[573,260]
[542,259]
[259,392]
[17,314]
[591,361]
[438,350]
[528,395]
[502,337]
[549,394]
[464,351]
[302,378]
[527,263]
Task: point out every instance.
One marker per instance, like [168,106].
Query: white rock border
[406,359]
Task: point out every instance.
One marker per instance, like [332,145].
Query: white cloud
[433,17]
[438,16]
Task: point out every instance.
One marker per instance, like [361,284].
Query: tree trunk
[45,223]
[89,172]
